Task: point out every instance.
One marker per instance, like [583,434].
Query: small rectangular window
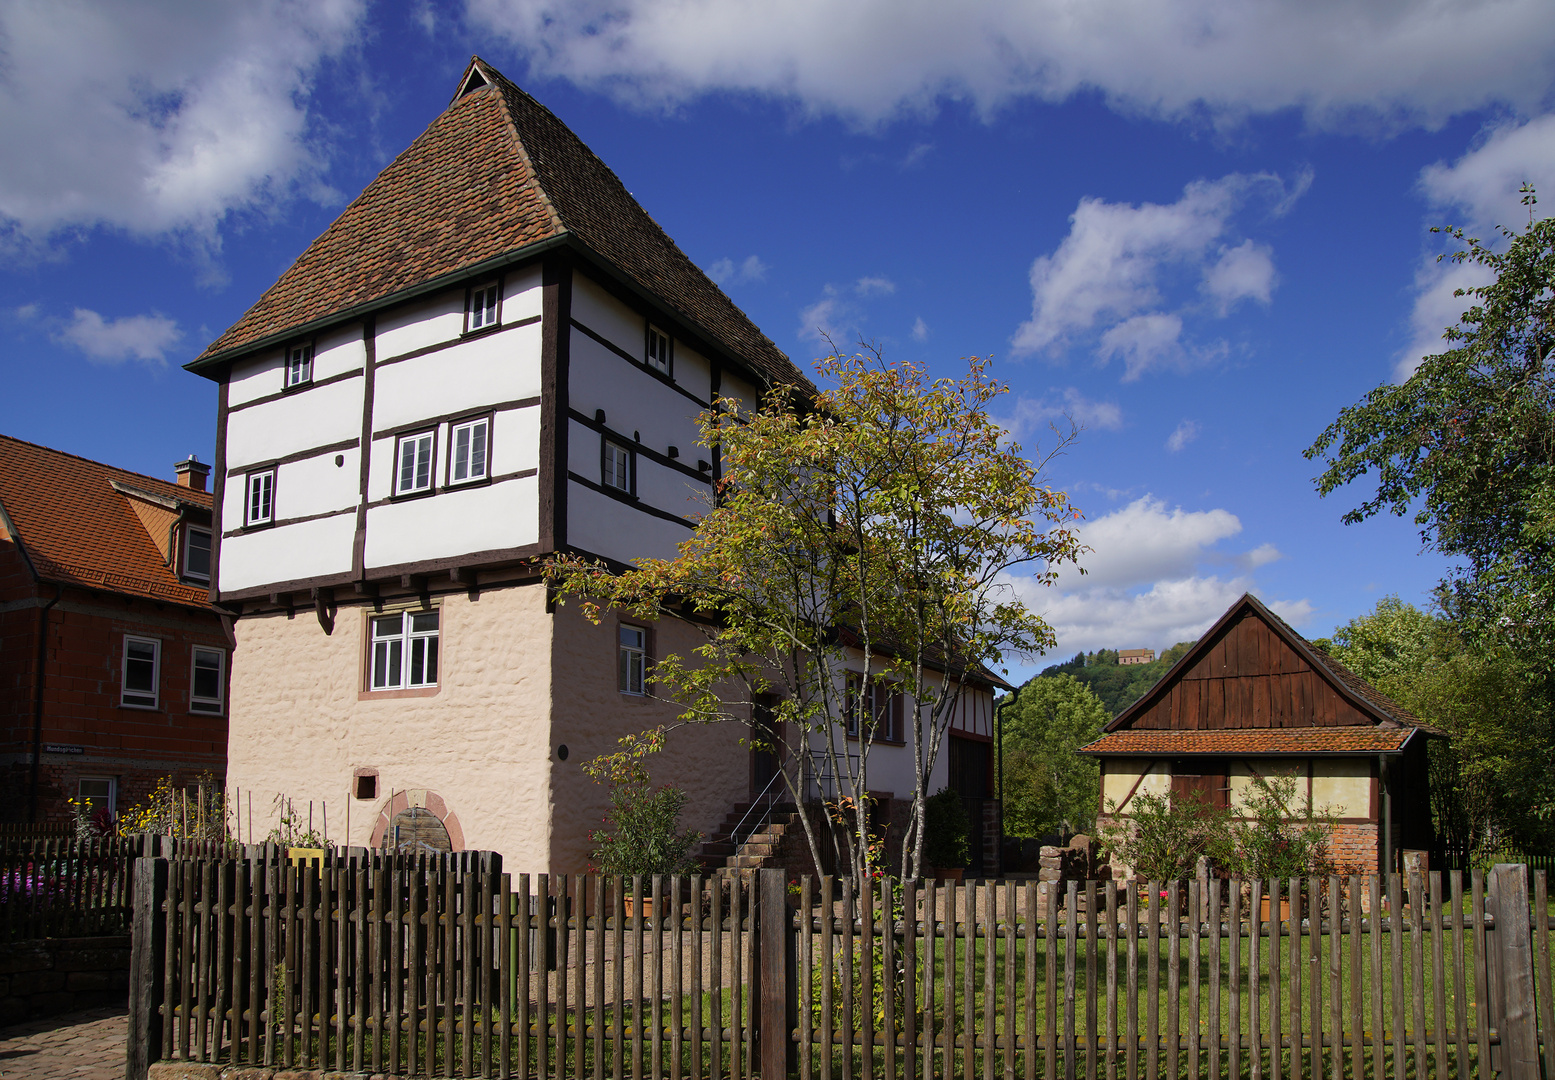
[467,459]
[99,793]
[299,365]
[260,503]
[485,305]
[205,681]
[197,553]
[404,650]
[633,660]
[658,350]
[142,669]
[413,464]
[617,469]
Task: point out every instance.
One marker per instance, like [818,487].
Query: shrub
[643,834]
[1276,841]
[946,831]
[1163,838]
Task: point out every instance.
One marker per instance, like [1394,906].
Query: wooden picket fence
[417,967]
[65,888]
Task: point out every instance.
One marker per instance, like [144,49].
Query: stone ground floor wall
[56,975]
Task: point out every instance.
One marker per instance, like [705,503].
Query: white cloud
[1184,434]
[1391,64]
[917,155]
[830,317]
[874,286]
[132,337]
[920,329]
[1478,192]
[726,271]
[1150,579]
[27,312]
[1107,273]
[158,117]
[1032,414]
[1245,272]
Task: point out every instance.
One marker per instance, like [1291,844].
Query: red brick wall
[1354,848]
[86,631]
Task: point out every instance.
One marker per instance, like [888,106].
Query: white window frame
[189,532]
[259,498]
[617,467]
[209,705]
[113,790]
[632,660]
[485,307]
[400,648]
[416,440]
[298,368]
[659,351]
[137,699]
[481,424]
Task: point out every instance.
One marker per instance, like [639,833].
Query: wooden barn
[1254,698]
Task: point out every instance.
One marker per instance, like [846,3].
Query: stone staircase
[752,840]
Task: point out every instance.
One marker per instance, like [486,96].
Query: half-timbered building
[493,354]
[1253,698]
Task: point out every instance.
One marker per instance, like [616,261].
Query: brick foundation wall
[1354,848]
[56,975]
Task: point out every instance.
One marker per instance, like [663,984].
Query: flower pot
[1263,909]
[633,903]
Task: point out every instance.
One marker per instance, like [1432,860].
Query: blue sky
[1200,229]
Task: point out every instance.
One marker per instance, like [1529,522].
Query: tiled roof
[78,529]
[495,173]
[1254,741]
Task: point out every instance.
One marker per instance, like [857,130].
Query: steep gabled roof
[495,175]
[1368,703]
[76,522]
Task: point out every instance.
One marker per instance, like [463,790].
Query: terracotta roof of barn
[77,528]
[1252,741]
[496,173]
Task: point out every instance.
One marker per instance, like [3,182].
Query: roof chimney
[192,473]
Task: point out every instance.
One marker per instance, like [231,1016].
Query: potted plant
[946,833]
[1281,837]
[642,836]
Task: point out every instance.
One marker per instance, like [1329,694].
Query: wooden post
[778,985]
[148,944]
[1518,1027]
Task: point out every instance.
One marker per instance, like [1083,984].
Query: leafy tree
[870,527]
[643,834]
[1388,648]
[1047,786]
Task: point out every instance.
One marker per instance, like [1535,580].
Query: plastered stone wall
[706,760]
[481,743]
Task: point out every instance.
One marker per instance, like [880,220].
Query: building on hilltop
[113,660]
[1136,656]
[1253,697]
[493,354]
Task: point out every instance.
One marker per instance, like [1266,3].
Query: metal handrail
[734,833]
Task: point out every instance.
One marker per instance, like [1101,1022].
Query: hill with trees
[1117,685]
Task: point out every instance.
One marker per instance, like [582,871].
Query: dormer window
[197,553]
[299,365]
[658,349]
[485,307]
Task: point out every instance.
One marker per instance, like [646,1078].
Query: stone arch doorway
[416,819]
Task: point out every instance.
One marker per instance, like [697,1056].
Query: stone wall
[55,975]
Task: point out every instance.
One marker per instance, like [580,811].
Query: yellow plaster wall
[1341,787]
[1121,774]
[482,742]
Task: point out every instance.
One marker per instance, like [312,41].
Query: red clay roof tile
[78,530]
[1252,741]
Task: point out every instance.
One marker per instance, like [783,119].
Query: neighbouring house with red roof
[1254,698]
[113,661]
[493,354]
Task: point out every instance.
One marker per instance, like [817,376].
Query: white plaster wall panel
[380,469]
[633,400]
[670,490]
[735,387]
[287,552]
[254,378]
[515,441]
[296,422]
[316,485]
[522,295]
[453,523]
[469,376]
[1154,777]
[602,313]
[693,371]
[430,321]
[606,526]
[1341,787]
[339,351]
[295,687]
